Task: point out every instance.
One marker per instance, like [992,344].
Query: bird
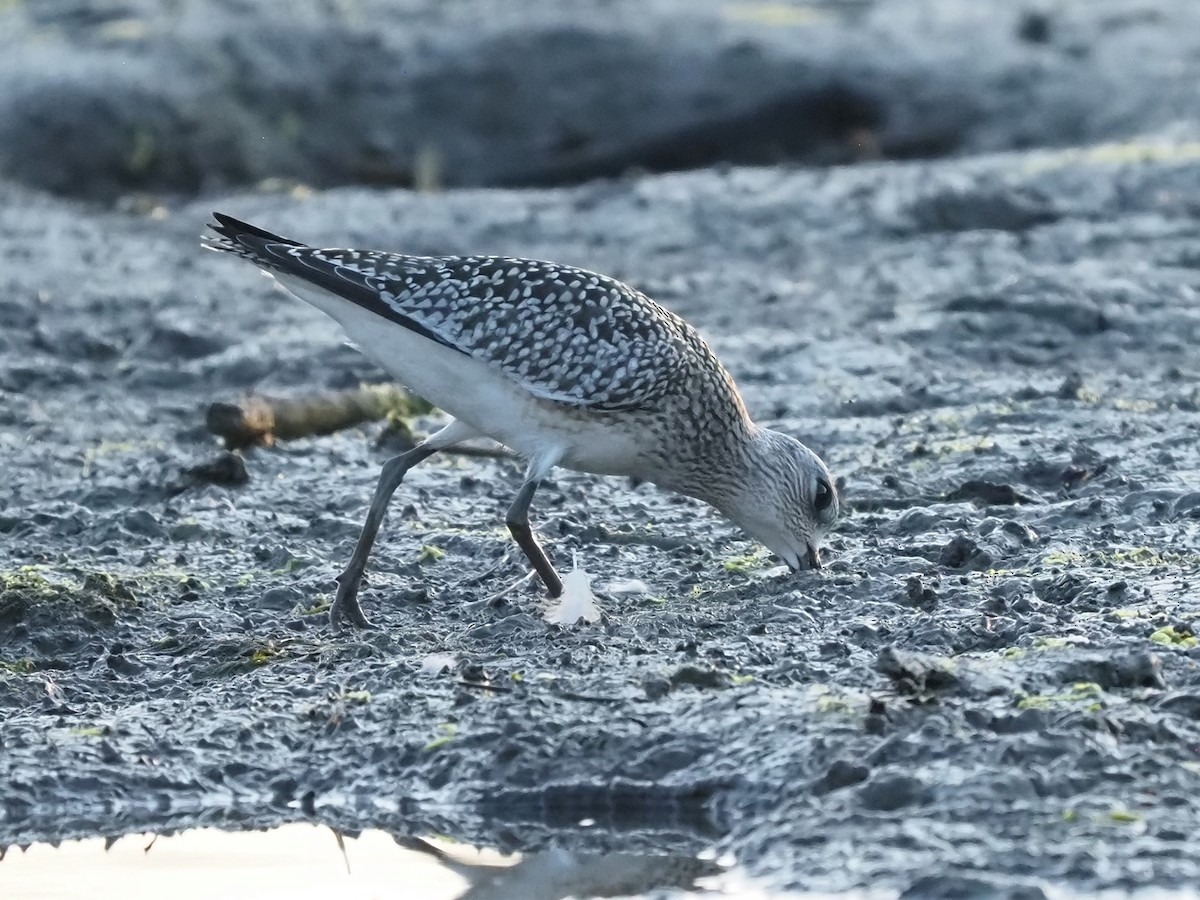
[566,367]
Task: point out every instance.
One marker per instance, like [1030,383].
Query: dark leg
[345,604]
[518,523]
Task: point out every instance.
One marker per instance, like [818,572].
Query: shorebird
[564,366]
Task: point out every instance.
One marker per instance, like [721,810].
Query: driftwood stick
[260,420]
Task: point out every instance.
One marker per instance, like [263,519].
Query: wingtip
[224,231]
[217,222]
[234,231]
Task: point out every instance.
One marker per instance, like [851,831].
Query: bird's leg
[518,523]
[345,604]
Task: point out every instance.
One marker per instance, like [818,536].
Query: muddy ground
[993,688]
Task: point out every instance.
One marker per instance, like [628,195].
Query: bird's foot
[346,607]
[552,581]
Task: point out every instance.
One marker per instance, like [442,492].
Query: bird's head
[786,498]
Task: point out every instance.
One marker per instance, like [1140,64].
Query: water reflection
[557,873]
[302,860]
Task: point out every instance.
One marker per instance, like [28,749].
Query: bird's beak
[810,560]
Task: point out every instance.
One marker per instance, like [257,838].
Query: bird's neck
[715,469]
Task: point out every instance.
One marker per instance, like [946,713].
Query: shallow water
[302,860]
[298,861]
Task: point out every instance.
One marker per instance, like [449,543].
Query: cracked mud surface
[994,685]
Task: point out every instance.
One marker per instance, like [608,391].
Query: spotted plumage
[563,333]
[566,366]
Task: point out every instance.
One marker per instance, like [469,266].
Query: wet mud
[992,689]
[994,679]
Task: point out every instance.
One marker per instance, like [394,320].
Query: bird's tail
[234,236]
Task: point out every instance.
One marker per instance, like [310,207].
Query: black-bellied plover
[564,366]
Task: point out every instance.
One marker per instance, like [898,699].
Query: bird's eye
[824,496]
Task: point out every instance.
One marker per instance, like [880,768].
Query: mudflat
[992,687]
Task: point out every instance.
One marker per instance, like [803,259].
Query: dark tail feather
[242,238]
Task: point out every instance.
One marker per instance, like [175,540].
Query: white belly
[480,395]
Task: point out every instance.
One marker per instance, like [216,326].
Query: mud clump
[31,604]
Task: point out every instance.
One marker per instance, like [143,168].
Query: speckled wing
[564,334]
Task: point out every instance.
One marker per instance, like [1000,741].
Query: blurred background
[101,99]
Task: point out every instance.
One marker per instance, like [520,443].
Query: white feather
[577,601]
